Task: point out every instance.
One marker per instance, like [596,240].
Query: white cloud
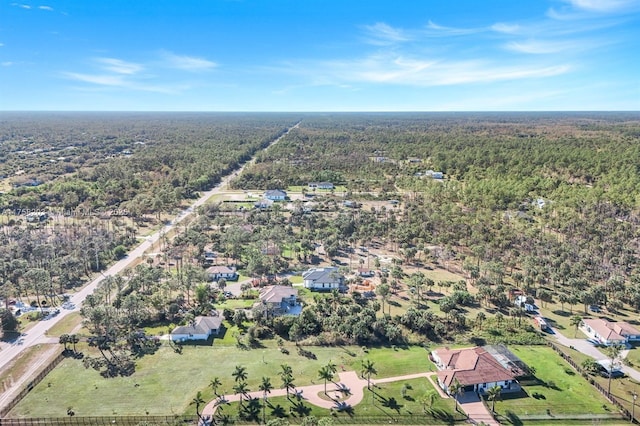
[119,66]
[604,6]
[124,82]
[7,63]
[538,47]
[502,27]
[435,29]
[187,63]
[381,69]
[100,79]
[384,34]
[49,8]
[1,44]
[24,6]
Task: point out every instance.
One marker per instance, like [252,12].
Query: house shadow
[560,313]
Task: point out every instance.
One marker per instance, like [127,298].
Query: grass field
[66,325]
[385,404]
[165,383]
[559,389]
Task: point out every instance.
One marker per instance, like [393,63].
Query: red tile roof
[470,367]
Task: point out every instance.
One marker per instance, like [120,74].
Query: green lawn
[385,405]
[165,383]
[559,388]
[66,325]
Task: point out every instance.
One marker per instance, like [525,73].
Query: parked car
[594,308]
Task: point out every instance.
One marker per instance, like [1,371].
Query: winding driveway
[349,391]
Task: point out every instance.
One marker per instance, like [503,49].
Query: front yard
[558,390]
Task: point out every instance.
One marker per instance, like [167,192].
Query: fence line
[41,375]
[595,384]
[100,420]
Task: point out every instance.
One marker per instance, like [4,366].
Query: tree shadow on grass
[392,403]
[443,416]
[300,409]
[512,418]
[278,411]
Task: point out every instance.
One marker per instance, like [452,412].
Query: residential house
[478,369]
[209,254]
[217,272]
[365,272]
[264,203]
[275,195]
[434,175]
[525,302]
[321,185]
[35,217]
[200,329]
[280,300]
[323,279]
[609,333]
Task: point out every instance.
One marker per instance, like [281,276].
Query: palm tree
[241,389]
[368,369]
[493,393]
[240,373]
[613,352]
[74,340]
[575,321]
[480,317]
[325,374]
[287,382]
[197,401]
[428,399]
[64,340]
[215,384]
[266,388]
[455,389]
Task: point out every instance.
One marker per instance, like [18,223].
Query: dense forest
[546,204]
[141,163]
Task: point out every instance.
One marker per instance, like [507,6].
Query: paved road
[35,335]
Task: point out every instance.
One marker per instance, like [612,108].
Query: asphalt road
[36,335]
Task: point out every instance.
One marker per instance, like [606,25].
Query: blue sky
[320,55]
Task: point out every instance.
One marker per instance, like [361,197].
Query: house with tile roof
[201,328]
[478,369]
[609,333]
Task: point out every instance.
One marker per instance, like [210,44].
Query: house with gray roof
[280,300]
[201,328]
[323,279]
[275,195]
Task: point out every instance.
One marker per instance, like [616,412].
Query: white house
[478,369]
[323,279]
[525,302]
[217,272]
[200,329]
[434,175]
[321,185]
[609,333]
[275,195]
